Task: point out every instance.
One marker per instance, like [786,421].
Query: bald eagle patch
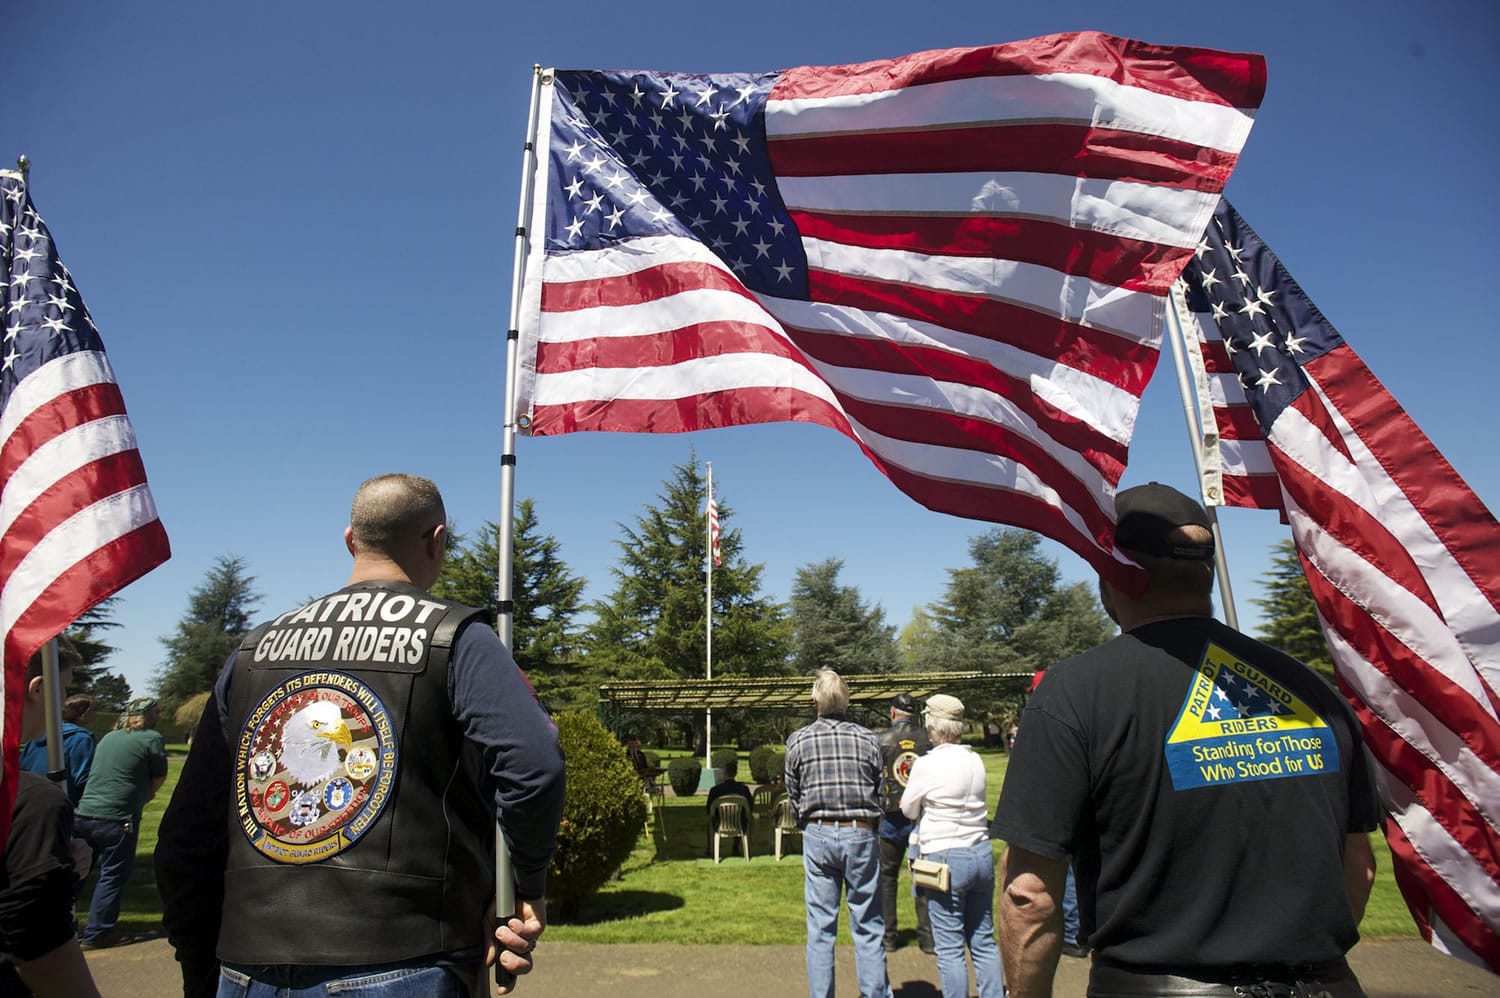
[316,766]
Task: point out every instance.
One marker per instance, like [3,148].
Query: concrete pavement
[1395,969]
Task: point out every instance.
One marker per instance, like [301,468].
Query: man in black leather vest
[900,745]
[334,821]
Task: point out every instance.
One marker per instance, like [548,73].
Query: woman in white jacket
[945,792]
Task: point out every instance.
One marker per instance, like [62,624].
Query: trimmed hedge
[683,773]
[758,761]
[775,767]
[721,758]
[603,812]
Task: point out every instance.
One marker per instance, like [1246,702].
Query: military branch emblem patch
[901,768]
[316,765]
[1237,725]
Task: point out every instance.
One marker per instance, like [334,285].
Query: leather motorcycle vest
[357,835]
[900,745]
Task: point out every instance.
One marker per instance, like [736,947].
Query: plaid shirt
[833,771]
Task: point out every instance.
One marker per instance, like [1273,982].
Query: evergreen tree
[111,692]
[1291,615]
[89,675]
[833,628]
[918,642]
[547,599]
[652,625]
[217,619]
[1006,613]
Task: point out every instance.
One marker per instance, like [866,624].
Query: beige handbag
[930,874]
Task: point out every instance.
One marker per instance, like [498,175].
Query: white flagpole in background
[505,886]
[708,618]
[1203,441]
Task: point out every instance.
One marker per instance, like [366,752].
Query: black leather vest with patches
[357,835]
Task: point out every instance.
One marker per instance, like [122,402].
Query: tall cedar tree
[217,619]
[834,628]
[547,600]
[652,625]
[1291,615]
[1007,613]
[109,689]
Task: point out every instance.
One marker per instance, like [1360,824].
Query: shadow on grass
[679,831]
[617,905]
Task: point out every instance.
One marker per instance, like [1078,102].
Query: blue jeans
[1070,909]
[392,980]
[843,860]
[964,915]
[113,843]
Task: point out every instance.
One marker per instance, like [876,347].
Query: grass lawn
[668,893]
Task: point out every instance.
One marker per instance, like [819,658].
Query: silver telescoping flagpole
[1197,438]
[505,885]
[708,622]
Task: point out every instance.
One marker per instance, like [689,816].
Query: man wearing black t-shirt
[1212,793]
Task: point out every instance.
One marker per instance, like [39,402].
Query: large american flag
[1404,563]
[77,522]
[958,258]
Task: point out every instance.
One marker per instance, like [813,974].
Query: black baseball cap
[904,703]
[1146,514]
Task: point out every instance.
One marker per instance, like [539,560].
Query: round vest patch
[315,768]
[901,768]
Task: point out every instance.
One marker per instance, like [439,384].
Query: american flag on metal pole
[713,531]
[77,521]
[1404,563]
[957,258]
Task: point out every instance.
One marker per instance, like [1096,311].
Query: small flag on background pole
[958,258]
[713,532]
[77,516]
[1404,563]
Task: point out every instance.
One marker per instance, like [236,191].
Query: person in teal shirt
[130,765]
[77,743]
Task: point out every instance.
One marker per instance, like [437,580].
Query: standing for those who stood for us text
[333,828]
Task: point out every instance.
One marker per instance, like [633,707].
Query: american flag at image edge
[1404,563]
[77,517]
[957,258]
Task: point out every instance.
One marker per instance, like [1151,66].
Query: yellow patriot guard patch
[1237,724]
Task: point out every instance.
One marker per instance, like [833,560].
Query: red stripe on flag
[1192,74]
[74,492]
[56,416]
[1450,704]
[1422,886]
[1110,259]
[648,284]
[670,346]
[736,407]
[1252,491]
[1237,422]
[1116,359]
[944,365]
[1071,150]
[1466,527]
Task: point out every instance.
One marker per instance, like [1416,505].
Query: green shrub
[758,756]
[722,758]
[776,767]
[652,759]
[603,812]
[683,773]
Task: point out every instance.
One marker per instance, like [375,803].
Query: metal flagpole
[708,617]
[52,691]
[1211,492]
[505,885]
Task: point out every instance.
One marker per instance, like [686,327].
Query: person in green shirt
[130,765]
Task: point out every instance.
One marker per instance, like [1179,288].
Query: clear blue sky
[293,225]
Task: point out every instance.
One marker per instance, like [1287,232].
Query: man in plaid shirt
[833,775]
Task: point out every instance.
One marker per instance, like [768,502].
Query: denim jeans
[113,843]
[396,980]
[965,915]
[1070,909]
[843,860]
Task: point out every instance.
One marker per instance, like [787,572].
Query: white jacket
[946,792]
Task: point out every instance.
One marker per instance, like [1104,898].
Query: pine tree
[109,689]
[652,625]
[1291,615]
[546,596]
[834,628]
[216,621]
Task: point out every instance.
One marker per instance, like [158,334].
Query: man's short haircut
[67,658]
[76,706]
[392,511]
[830,693]
[731,767]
